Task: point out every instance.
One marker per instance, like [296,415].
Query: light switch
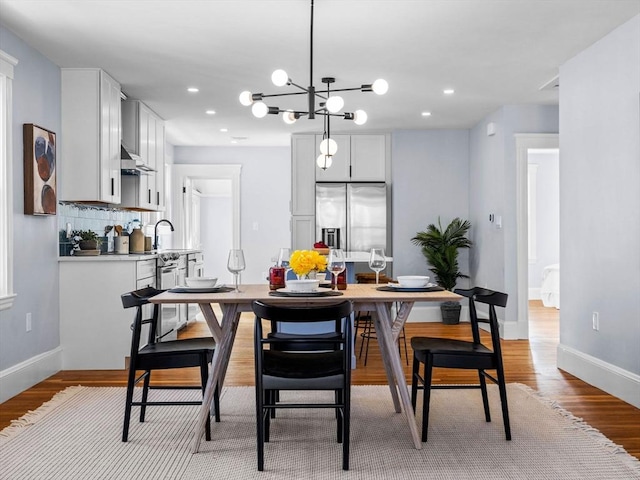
[498,221]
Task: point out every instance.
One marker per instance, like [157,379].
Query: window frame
[7,64]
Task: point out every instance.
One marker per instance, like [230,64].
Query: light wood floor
[532,362]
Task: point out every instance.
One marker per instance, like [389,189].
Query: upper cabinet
[90,146]
[360,158]
[143,134]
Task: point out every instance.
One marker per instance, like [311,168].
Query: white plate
[397,285]
[290,290]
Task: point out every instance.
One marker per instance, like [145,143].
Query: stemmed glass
[236,264]
[283,261]
[336,264]
[377,262]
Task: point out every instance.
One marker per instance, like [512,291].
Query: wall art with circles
[40,192]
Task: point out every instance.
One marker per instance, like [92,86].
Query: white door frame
[183,173]
[524,142]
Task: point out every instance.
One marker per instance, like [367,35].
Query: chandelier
[328,105]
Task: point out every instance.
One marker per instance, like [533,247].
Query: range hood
[131,163]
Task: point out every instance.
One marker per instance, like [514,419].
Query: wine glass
[236,264]
[377,262]
[336,264]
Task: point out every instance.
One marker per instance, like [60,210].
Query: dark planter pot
[450,313]
[88,244]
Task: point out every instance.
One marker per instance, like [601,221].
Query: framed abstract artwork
[40,192]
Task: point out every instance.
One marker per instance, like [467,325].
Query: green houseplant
[85,239]
[441,247]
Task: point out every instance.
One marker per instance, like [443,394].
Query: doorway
[526,143]
[207,212]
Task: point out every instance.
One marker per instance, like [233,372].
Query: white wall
[493,184]
[265,193]
[600,213]
[547,214]
[36,99]
[215,235]
[430,179]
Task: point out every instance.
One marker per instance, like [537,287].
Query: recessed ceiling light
[193,90]
[448,91]
[223,130]
[426,114]
[210,112]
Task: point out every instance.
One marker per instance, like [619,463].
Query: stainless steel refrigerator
[357,210]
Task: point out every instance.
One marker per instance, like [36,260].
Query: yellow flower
[303,261]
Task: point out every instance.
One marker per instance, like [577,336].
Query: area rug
[77,436]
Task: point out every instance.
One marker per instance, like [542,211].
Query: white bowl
[413,281]
[201,282]
[305,285]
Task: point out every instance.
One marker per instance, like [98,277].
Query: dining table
[380,299]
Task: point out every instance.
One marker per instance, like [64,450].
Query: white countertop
[360,257]
[115,257]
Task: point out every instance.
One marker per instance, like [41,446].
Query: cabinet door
[303,229]
[303,193]
[109,139]
[339,170]
[368,158]
[160,189]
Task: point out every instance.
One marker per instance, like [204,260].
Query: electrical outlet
[28,322]
[595,318]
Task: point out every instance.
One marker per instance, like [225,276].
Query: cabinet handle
[112,186]
[149,195]
[350,174]
[158,198]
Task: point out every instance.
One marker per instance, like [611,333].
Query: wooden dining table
[365,297]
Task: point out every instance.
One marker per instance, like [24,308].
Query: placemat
[327,293]
[386,288]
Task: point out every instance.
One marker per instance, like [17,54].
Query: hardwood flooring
[532,362]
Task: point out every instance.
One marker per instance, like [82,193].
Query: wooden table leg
[220,358]
[383,329]
[386,362]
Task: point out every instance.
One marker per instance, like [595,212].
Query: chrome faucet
[155,232]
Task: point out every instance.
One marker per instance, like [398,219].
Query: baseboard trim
[431,313]
[24,375]
[612,379]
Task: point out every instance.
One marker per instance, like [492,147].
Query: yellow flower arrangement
[304,261]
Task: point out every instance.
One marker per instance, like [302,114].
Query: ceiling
[492,52]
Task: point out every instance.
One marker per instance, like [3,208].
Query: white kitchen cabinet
[340,162]
[90,140]
[143,133]
[303,164]
[94,327]
[360,158]
[303,232]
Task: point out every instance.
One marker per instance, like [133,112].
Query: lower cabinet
[95,329]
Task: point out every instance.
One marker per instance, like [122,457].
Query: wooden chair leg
[415,376]
[346,429]
[502,387]
[127,407]
[204,375]
[145,395]
[260,427]
[426,397]
[485,397]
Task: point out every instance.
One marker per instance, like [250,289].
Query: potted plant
[85,239]
[440,248]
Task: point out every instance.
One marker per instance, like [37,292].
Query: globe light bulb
[289,117]
[335,104]
[380,86]
[359,117]
[259,109]
[245,98]
[279,78]
[324,161]
[328,146]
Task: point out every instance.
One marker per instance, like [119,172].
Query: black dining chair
[450,353]
[155,355]
[303,362]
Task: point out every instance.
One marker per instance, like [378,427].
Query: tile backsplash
[96,218]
